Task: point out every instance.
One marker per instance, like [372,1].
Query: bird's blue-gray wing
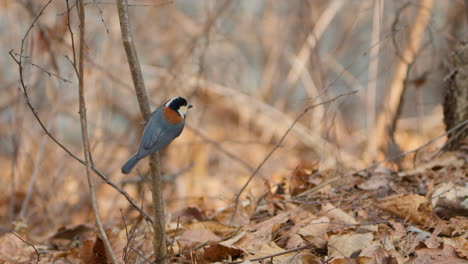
[157,134]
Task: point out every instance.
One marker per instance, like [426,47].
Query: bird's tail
[128,166]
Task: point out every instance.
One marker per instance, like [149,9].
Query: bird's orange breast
[171,116]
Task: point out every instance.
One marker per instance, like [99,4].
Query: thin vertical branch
[372,77]
[85,137]
[159,238]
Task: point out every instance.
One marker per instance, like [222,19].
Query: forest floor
[370,216]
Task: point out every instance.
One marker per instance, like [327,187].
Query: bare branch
[84,131]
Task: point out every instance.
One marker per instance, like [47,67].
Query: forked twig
[26,242]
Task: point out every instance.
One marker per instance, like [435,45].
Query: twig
[341,177]
[102,18]
[51,74]
[26,242]
[131,236]
[84,131]
[141,255]
[73,62]
[278,145]
[159,238]
[126,248]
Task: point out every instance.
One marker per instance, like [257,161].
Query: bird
[165,124]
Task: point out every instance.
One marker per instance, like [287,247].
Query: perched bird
[165,124]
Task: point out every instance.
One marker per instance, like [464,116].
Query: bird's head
[179,105]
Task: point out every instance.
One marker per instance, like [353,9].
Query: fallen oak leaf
[433,255]
[315,232]
[336,215]
[216,228]
[411,207]
[93,250]
[217,252]
[343,246]
[14,250]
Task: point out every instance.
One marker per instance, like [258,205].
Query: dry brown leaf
[374,253]
[376,181]
[460,245]
[400,230]
[412,207]
[13,250]
[293,259]
[463,251]
[242,217]
[94,251]
[268,249]
[439,256]
[217,252]
[315,227]
[343,261]
[337,215]
[342,246]
[301,178]
[192,238]
[308,258]
[188,215]
[434,241]
[295,241]
[261,233]
[315,232]
[215,227]
[302,217]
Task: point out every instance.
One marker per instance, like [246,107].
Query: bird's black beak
[189,106]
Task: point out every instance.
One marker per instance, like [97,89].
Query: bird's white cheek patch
[182,110]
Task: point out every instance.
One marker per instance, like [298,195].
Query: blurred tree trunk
[392,102]
[456,98]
